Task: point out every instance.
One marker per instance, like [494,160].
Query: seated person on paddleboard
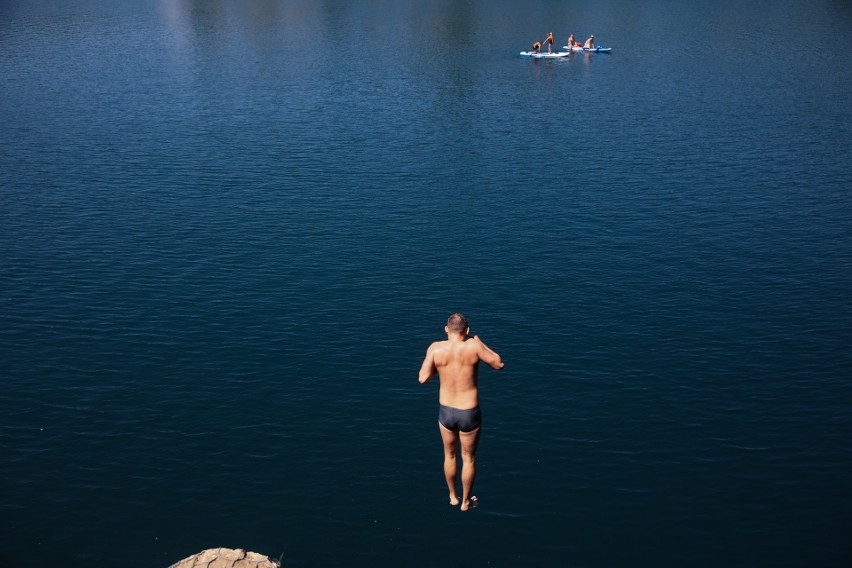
[572,43]
[590,43]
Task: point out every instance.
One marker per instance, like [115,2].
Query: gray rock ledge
[227,558]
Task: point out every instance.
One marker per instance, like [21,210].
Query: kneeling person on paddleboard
[590,43]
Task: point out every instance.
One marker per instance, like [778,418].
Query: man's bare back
[456,360]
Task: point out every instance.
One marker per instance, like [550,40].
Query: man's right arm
[428,369]
[488,356]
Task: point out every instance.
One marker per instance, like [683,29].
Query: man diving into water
[456,360]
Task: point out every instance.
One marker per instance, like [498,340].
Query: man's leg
[469,442]
[451,445]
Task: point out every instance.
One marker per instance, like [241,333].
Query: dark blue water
[229,230]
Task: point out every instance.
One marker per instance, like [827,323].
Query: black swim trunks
[458,420]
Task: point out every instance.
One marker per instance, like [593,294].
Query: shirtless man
[590,43]
[572,43]
[456,360]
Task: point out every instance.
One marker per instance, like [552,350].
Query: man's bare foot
[454,500]
[471,503]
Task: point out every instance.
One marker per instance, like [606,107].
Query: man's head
[457,323]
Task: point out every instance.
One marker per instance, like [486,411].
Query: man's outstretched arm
[488,356]
[428,369]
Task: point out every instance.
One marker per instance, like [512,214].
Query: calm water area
[230,229]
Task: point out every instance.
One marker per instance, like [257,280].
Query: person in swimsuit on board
[572,43]
[590,43]
[537,47]
[456,360]
[549,41]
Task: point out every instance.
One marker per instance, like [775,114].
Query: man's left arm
[489,356]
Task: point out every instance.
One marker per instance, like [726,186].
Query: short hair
[457,323]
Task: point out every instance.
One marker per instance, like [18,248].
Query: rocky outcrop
[227,558]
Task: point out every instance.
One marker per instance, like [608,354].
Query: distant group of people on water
[572,43]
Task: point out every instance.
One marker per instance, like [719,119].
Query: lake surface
[230,229]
